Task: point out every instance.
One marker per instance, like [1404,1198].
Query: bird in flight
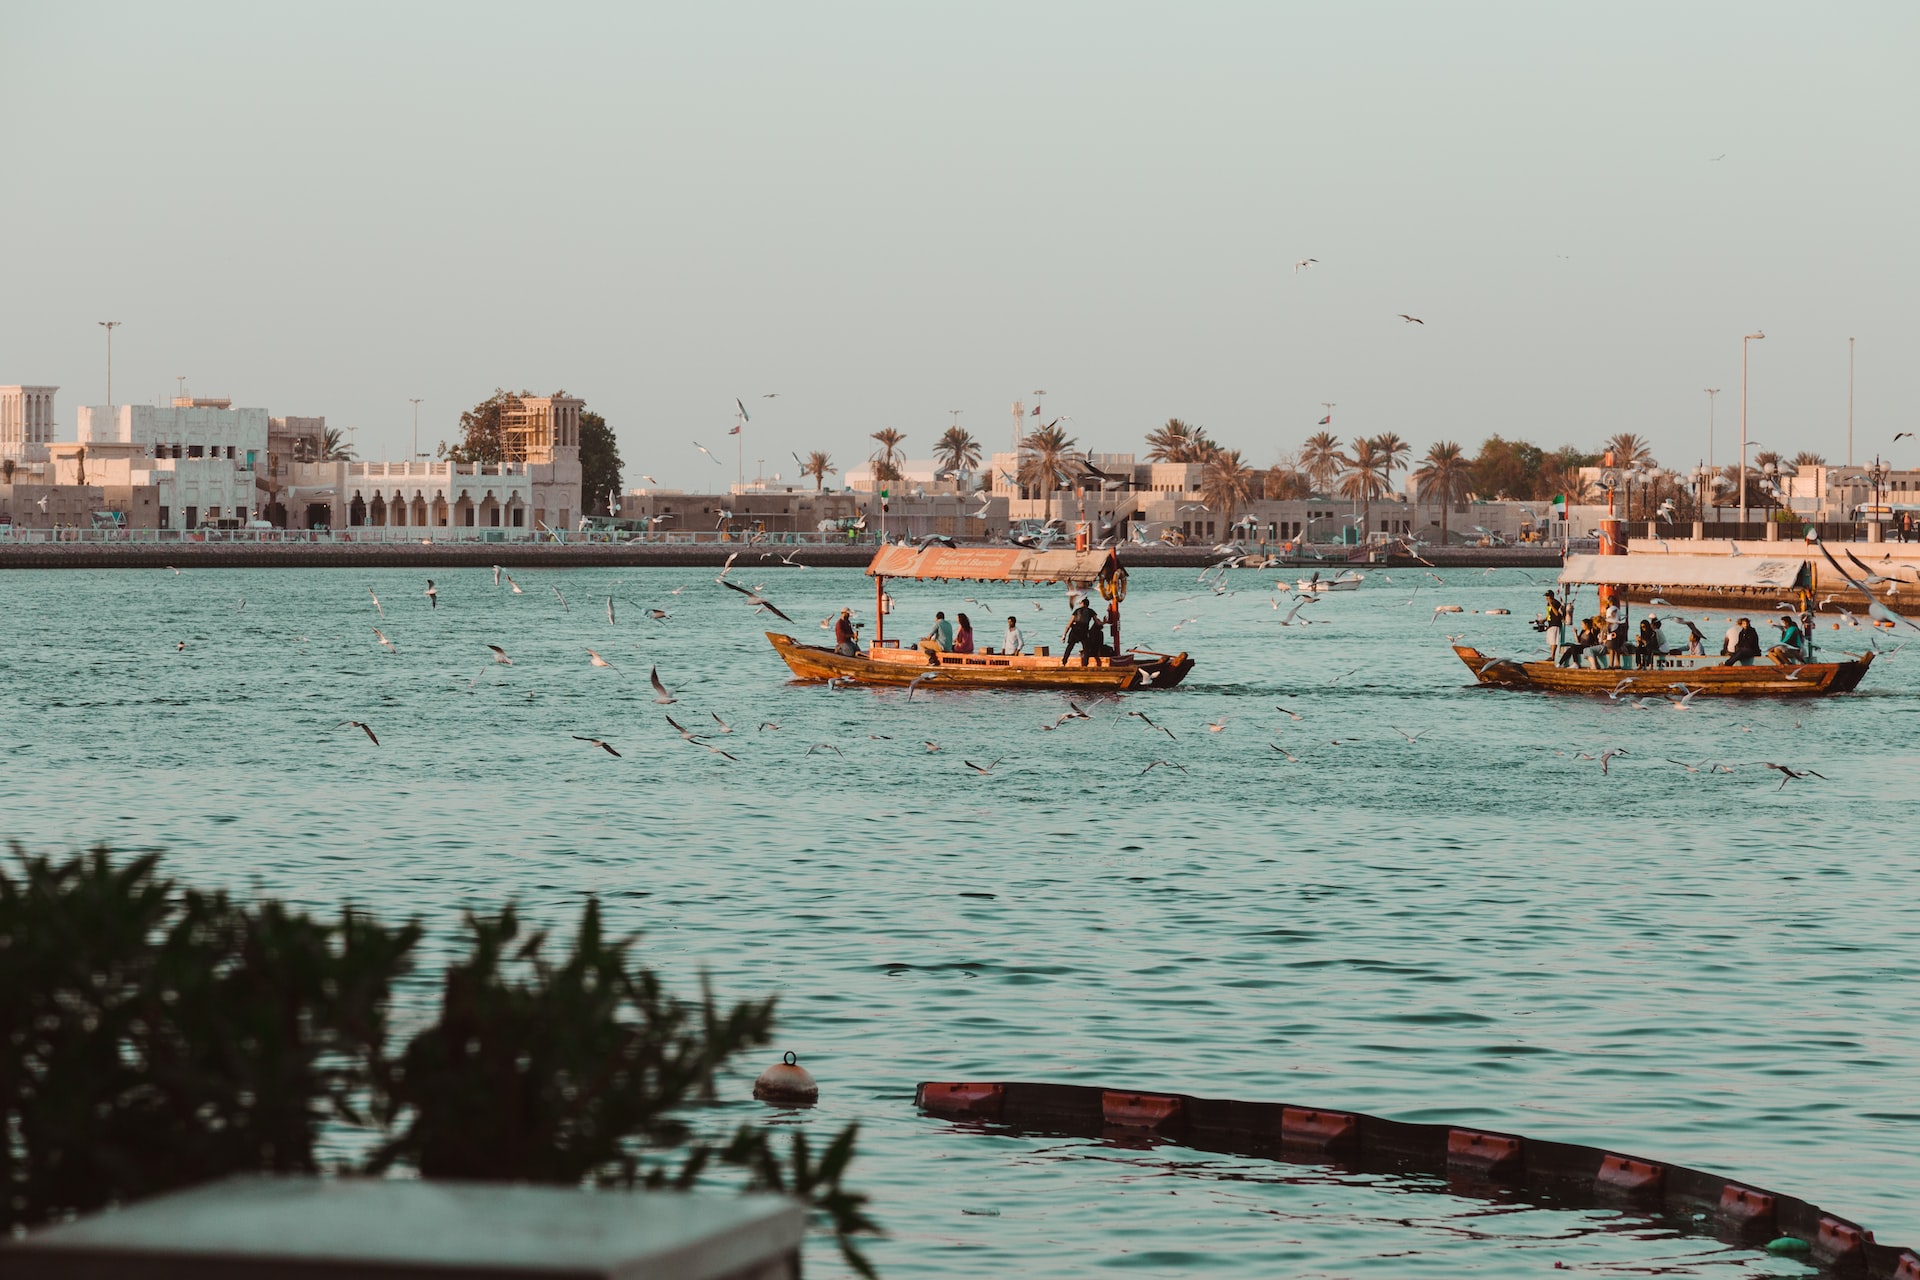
[930,745]
[382,636]
[649,479]
[1142,717]
[1788,775]
[376,742]
[1721,156]
[1410,319]
[919,680]
[757,600]
[596,742]
[702,448]
[376,603]
[496,575]
[1283,751]
[1158,763]
[1303,264]
[660,694]
[826,746]
[595,659]
[433,595]
[1291,715]
[982,769]
[1603,757]
[564,607]
[1898,437]
[1411,737]
[724,726]
[1213,726]
[770,395]
[682,730]
[500,655]
[514,585]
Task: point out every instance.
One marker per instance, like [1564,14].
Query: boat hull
[983,670]
[1766,679]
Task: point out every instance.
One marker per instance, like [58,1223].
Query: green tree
[1363,478]
[886,462]
[957,449]
[1627,449]
[1508,468]
[1178,442]
[480,434]
[1393,452]
[1045,455]
[1808,458]
[1443,478]
[599,463]
[334,446]
[1321,460]
[1283,482]
[1226,485]
[819,465]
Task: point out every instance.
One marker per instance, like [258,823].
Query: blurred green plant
[153,1037]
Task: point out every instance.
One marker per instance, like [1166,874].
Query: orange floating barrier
[1624,1173]
[1482,1152]
[976,1101]
[1318,1130]
[1139,1110]
[1745,1209]
[1840,1242]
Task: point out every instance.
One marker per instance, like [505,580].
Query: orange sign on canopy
[991,564]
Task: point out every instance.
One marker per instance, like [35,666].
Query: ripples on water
[1475,926]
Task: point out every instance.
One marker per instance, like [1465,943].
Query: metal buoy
[786,1084]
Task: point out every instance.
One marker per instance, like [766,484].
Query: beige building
[542,433]
[26,422]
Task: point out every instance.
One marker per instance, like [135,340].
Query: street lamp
[1756,334]
[109,326]
[1711,393]
[415,400]
[1877,473]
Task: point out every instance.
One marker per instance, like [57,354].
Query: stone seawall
[453,555]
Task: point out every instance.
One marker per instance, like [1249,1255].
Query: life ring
[1113,586]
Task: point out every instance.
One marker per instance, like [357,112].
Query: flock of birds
[714,733]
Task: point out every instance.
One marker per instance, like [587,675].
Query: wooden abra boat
[886,662]
[1679,674]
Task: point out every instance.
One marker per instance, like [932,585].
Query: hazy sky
[886,211]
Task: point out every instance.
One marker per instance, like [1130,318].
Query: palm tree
[1628,448]
[1226,484]
[1362,479]
[334,446]
[1808,458]
[1320,458]
[1394,453]
[1446,474]
[1044,458]
[885,468]
[1178,442]
[958,449]
[819,465]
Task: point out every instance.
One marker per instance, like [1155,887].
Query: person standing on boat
[1556,625]
[963,638]
[846,636]
[1015,641]
[939,640]
[1078,628]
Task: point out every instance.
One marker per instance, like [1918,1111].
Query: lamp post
[415,402]
[1877,473]
[109,326]
[1756,334]
[1711,393]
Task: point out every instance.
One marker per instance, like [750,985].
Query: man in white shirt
[1015,641]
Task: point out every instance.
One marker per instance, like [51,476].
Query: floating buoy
[1492,612]
[786,1084]
[1789,1247]
[1448,608]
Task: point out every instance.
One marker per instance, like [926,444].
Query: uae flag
[1324,421]
[734,432]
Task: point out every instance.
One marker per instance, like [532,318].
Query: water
[1476,926]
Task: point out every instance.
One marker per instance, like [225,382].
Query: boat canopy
[993,564]
[1755,571]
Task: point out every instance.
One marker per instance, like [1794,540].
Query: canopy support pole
[879,611]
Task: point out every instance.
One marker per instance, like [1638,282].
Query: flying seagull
[376,742]
[1410,319]
[660,694]
[1898,437]
[432,595]
[919,680]
[595,659]
[376,603]
[1788,775]
[383,640]
[1303,264]
[757,600]
[596,742]
[1157,763]
[982,768]
[564,607]
[702,448]
[500,655]
[514,585]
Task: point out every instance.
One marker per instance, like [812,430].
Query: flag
[1324,421]
[1035,413]
[734,431]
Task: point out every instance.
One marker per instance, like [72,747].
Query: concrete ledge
[367,1228]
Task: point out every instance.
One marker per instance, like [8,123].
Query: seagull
[1343,675]
[1283,751]
[1303,264]
[1156,764]
[1902,435]
[919,680]
[940,539]
[376,742]
[755,599]
[383,640]
[181,647]
[930,745]
[1410,737]
[1620,688]
[1410,319]
[1293,612]
[500,655]
[1685,703]
[702,448]
[496,575]
[826,746]
[1215,726]
[596,742]
[610,621]
[1721,156]
[660,694]
[598,661]
[658,615]
[716,750]
[1690,768]
[879,737]
[514,585]
[683,731]
[562,599]
[241,607]
[724,726]
[1074,712]
[982,769]
[1789,775]
[1142,717]
[770,395]
[840,682]
[1603,757]
[376,603]
[1291,715]
[649,479]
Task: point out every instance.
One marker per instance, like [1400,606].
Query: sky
[884,212]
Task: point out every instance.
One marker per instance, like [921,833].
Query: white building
[26,422]
[201,455]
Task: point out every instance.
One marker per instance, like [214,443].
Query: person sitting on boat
[1583,639]
[1015,642]
[1792,639]
[1696,641]
[1742,644]
[1646,643]
[1096,644]
[846,636]
[1078,626]
[963,638]
[939,640]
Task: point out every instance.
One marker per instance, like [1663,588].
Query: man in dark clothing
[846,637]
[1079,627]
[1745,647]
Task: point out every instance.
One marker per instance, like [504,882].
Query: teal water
[1475,926]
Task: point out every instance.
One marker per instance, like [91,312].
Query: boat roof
[991,564]
[1745,570]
